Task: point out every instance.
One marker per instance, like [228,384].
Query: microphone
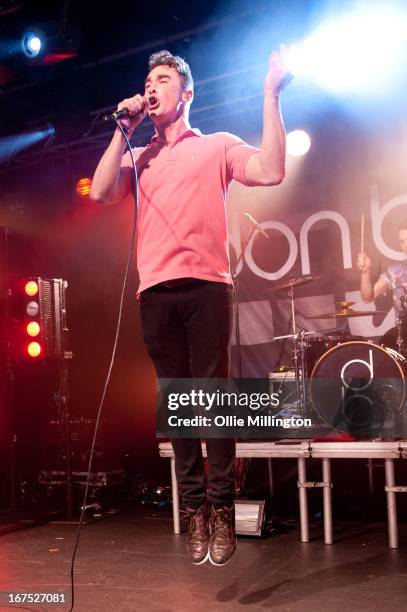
[256,225]
[124,112]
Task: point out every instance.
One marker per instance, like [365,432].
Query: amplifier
[97,479]
[285,385]
[106,457]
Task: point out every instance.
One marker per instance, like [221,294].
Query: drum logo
[369,366]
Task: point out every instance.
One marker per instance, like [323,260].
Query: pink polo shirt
[182,230]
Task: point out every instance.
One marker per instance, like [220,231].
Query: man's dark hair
[165,58]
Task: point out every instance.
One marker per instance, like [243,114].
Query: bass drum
[316,346]
[359,388]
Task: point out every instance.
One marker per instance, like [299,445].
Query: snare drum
[356,385]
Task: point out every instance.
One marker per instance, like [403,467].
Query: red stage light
[83,187]
[55,58]
[33,329]
[34,349]
[31,288]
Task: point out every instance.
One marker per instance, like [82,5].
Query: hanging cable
[112,360]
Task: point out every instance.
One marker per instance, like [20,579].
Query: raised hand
[363,262]
[278,76]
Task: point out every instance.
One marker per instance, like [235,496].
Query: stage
[134,562]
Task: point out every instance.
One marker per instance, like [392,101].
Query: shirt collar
[189,132]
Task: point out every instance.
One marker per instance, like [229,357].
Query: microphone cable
[112,360]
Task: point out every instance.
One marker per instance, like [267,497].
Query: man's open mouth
[152,103]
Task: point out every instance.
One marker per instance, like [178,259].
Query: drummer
[394,278]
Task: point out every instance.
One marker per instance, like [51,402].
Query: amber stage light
[83,187]
[31,288]
[34,349]
[33,329]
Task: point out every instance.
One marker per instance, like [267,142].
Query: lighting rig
[39,333]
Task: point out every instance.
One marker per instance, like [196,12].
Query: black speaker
[106,456]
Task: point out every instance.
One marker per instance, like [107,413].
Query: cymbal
[297,335]
[343,305]
[347,312]
[295,282]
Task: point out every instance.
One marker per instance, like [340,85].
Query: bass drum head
[358,387]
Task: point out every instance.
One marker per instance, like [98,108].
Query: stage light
[83,187]
[295,59]
[38,312]
[34,44]
[298,143]
[48,42]
[32,309]
[33,329]
[31,44]
[46,131]
[34,349]
[10,146]
[31,288]
[358,52]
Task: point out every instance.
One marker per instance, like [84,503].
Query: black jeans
[187,330]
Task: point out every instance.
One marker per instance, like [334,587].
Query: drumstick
[362,234]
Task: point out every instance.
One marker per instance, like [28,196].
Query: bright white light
[298,143]
[357,52]
[31,44]
[295,59]
[34,44]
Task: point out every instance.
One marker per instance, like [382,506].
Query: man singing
[182,257]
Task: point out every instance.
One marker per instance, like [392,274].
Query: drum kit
[328,367]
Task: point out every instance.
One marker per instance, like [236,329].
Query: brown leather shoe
[198,533]
[222,541]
